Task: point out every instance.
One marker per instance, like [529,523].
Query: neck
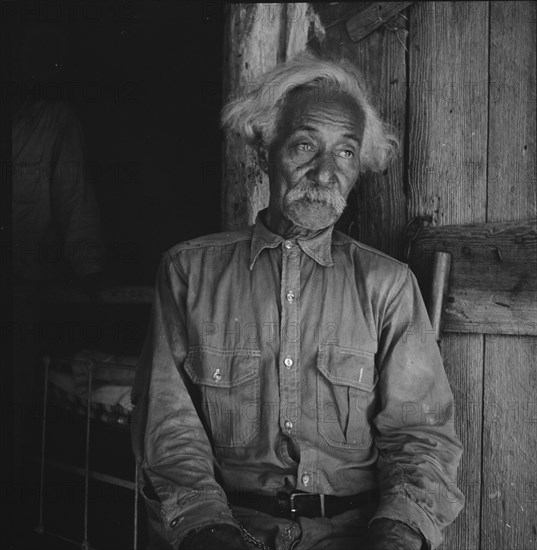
[278,224]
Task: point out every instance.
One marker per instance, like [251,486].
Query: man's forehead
[304,109]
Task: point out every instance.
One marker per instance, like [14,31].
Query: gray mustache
[316,193]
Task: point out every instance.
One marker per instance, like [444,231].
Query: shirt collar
[318,249]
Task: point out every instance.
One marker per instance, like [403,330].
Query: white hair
[253,114]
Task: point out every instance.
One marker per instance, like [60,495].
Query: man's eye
[346,154]
[305,147]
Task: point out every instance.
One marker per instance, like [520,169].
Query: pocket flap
[347,366]
[221,368]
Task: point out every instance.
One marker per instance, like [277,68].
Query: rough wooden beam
[372,18]
[493,282]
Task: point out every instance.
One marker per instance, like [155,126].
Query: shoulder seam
[188,245]
[401,281]
[170,260]
[370,249]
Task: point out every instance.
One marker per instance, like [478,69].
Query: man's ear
[262,158]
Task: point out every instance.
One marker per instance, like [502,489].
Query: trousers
[346,531]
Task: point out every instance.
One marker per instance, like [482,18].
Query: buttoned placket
[289,339]
[289,367]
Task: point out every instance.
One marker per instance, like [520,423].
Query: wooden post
[252,46]
[258,37]
[438,290]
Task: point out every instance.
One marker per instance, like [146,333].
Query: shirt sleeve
[73,202]
[171,447]
[418,449]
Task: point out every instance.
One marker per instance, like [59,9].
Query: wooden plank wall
[457,80]
[381,223]
[448,54]
[509,496]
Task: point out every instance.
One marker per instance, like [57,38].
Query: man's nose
[324,171]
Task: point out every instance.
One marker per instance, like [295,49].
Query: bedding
[111,384]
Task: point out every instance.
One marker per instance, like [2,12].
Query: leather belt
[311,505]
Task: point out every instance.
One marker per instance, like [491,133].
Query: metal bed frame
[119,295]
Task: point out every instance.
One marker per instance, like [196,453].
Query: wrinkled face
[314,159]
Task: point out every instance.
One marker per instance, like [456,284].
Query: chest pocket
[345,381]
[230,393]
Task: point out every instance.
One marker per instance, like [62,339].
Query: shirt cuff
[173,523]
[402,508]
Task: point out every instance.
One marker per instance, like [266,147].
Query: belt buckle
[294,496]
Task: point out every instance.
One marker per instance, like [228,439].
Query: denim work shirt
[309,362]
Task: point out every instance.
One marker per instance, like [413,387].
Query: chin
[311,215]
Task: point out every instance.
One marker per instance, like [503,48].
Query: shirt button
[305,479]
[288,362]
[290,296]
[217,376]
[288,424]
[288,245]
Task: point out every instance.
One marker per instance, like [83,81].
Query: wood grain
[509,443]
[441,266]
[509,503]
[512,180]
[249,26]
[463,361]
[446,178]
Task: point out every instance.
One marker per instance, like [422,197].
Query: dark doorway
[145,81]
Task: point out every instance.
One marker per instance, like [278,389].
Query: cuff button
[175,521]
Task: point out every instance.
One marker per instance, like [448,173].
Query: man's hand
[388,534]
[215,537]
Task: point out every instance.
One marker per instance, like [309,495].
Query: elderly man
[281,399]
